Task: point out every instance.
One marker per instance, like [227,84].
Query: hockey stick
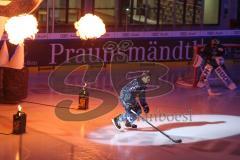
[173,140]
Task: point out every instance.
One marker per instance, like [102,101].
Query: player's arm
[143,102]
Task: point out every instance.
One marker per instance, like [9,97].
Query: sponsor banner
[147,34]
[55,52]
[161,34]
[119,47]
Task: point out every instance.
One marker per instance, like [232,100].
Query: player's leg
[223,74]
[116,122]
[122,118]
[131,118]
[204,76]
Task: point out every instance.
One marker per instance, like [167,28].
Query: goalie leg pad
[225,78]
[204,76]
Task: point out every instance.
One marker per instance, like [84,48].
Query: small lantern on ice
[83,98]
[19,121]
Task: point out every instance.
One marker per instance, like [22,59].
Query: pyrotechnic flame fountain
[20,28]
[90,27]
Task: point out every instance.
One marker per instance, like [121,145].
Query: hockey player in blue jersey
[128,94]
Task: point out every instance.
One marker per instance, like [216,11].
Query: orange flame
[20,28]
[19,108]
[90,27]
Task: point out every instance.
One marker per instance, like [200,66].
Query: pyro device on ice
[19,121]
[83,99]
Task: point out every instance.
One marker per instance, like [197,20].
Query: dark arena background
[63,94]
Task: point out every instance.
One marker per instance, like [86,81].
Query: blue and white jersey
[128,94]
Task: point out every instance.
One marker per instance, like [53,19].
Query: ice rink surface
[208,125]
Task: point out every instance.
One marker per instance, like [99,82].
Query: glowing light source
[20,28]
[90,27]
[4,2]
[19,121]
[83,99]
[2,25]
[19,108]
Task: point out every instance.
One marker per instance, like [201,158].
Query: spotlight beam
[173,140]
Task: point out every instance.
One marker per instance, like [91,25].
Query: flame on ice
[19,108]
[20,28]
[90,27]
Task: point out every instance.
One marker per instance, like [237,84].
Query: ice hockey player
[128,94]
[213,57]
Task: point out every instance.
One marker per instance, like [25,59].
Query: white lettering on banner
[137,51]
[57,49]
[177,51]
[80,58]
[125,51]
[187,47]
[162,53]
[107,54]
[68,53]
[152,51]
[91,57]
